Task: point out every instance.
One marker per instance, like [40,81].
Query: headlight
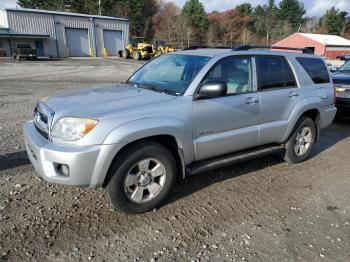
[72,129]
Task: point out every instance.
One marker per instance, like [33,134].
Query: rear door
[279,94]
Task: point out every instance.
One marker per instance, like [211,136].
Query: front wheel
[141,177]
[137,55]
[301,142]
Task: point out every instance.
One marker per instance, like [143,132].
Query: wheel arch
[168,141]
[313,113]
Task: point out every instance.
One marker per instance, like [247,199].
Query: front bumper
[343,105]
[88,165]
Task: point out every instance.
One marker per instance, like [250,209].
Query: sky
[313,7]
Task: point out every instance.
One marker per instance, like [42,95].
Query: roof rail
[206,47]
[248,47]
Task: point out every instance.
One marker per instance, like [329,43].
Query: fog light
[62,170]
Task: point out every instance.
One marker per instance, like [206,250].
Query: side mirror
[212,89]
[334,69]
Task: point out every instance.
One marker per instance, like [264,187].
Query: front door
[39,45]
[227,124]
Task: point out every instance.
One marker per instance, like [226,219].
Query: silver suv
[181,114]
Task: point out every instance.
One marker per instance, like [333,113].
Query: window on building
[1,44]
[316,69]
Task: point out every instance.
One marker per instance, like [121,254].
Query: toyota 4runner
[180,114]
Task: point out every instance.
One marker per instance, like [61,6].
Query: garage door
[113,41]
[77,42]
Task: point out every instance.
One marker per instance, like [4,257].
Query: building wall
[101,25]
[54,25]
[299,41]
[333,51]
[33,23]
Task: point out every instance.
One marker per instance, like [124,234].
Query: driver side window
[236,72]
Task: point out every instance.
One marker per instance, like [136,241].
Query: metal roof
[332,40]
[27,10]
[15,35]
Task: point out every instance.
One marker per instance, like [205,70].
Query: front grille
[343,94]
[42,119]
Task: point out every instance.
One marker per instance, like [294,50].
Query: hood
[341,78]
[98,102]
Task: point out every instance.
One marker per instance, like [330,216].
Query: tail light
[334,94]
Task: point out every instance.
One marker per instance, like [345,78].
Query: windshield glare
[345,67]
[170,73]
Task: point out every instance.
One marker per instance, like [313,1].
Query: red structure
[328,46]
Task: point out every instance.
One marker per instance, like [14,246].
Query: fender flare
[153,126]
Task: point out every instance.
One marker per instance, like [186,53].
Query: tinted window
[274,72]
[345,67]
[289,75]
[236,72]
[316,69]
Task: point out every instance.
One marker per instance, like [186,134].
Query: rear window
[316,69]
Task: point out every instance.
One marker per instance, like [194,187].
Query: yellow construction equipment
[161,47]
[137,49]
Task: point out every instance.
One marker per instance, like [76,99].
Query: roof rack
[249,47]
[206,47]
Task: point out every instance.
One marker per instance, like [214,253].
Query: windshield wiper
[150,87]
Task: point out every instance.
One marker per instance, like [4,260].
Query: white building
[61,34]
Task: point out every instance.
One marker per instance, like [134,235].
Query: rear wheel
[137,55]
[301,142]
[125,53]
[141,177]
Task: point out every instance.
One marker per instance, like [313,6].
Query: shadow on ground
[13,160]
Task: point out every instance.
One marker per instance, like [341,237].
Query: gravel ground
[261,210]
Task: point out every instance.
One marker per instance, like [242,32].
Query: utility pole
[99,8]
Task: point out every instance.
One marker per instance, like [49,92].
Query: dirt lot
[262,210]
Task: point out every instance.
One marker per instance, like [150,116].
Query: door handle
[251,100]
[293,94]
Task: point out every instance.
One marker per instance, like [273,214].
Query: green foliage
[334,21]
[196,18]
[44,4]
[245,9]
[292,12]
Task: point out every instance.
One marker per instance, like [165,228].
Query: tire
[298,147]
[125,54]
[123,190]
[137,55]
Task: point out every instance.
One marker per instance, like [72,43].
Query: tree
[292,12]
[334,21]
[196,18]
[140,14]
[58,5]
[165,21]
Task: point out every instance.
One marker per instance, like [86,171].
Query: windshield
[345,67]
[170,73]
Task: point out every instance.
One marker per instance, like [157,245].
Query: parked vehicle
[341,80]
[182,113]
[137,49]
[24,51]
[344,57]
